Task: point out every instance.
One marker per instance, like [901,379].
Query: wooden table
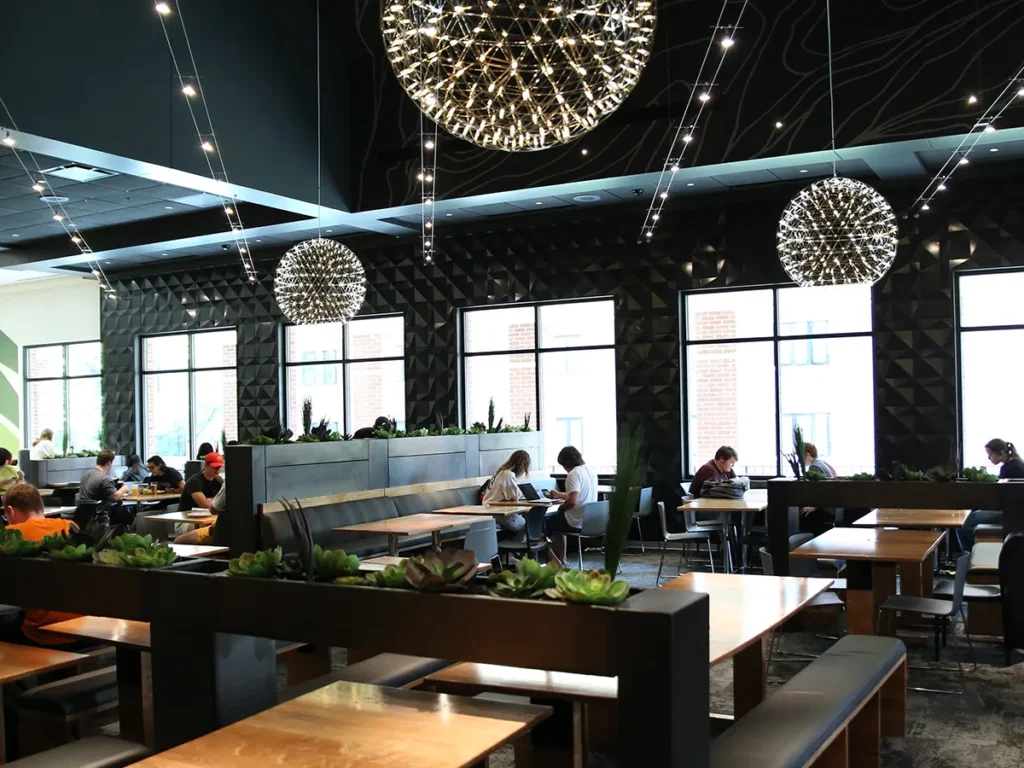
[57,511]
[410,525]
[21,661]
[913,518]
[872,556]
[743,609]
[182,517]
[524,503]
[485,510]
[361,726]
[380,563]
[151,498]
[197,550]
[134,677]
[752,501]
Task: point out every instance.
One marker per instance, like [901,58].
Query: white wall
[46,311]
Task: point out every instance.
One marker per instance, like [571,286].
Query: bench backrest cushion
[425,503]
[322,520]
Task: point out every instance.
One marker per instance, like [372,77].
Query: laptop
[530,494]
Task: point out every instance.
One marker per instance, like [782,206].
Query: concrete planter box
[45,472]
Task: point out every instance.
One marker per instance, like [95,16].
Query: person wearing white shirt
[504,486]
[580,489]
[43,448]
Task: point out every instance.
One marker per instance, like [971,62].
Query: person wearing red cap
[202,487]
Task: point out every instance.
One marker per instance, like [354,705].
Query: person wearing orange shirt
[24,508]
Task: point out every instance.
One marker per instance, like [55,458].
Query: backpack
[725,489]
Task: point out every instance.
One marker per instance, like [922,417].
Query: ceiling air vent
[78,172]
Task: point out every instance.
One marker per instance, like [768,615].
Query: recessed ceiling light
[53,199]
[259,241]
[584,152]
[15,235]
[705,96]
[539,202]
[206,146]
[994,149]
[727,42]
[106,262]
[168,207]
[803,170]
[972,99]
[447,214]
[330,230]
[38,187]
[689,183]
[586,198]
[58,217]
[163,254]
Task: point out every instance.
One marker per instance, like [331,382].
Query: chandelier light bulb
[518,76]
[837,231]
[727,42]
[704,96]
[319,281]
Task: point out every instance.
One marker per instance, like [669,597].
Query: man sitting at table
[200,489]
[164,476]
[718,470]
[24,508]
[580,489]
[98,485]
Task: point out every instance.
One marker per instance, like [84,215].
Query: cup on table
[135,491]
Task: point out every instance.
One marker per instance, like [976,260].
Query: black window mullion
[778,384]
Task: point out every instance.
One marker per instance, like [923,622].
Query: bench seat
[93,752]
[391,670]
[811,712]
[72,695]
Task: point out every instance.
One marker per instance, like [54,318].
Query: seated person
[504,486]
[201,489]
[43,448]
[98,485]
[10,475]
[580,489]
[24,508]
[205,534]
[136,471]
[164,476]
[999,452]
[718,470]
[812,519]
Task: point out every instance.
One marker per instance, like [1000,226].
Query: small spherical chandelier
[514,75]
[319,281]
[837,231]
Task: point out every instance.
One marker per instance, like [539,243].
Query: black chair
[534,540]
[644,508]
[84,513]
[1011,583]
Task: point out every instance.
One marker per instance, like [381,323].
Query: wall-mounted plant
[13,544]
[979,475]
[307,415]
[530,580]
[256,565]
[451,571]
[588,587]
[393,576]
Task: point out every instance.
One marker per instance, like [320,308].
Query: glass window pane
[165,421]
[85,359]
[46,411]
[988,366]
[493,330]
[325,384]
[992,299]
[46,362]
[215,406]
[214,350]
[85,414]
[729,315]
[730,392]
[577,391]
[833,403]
[165,353]
[577,324]
[376,337]
[829,309]
[510,379]
[376,389]
[313,342]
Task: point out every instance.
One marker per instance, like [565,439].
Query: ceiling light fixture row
[723,38]
[191,88]
[37,181]
[518,76]
[1013,91]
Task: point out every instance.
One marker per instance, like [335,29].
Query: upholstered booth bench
[841,704]
[93,752]
[391,670]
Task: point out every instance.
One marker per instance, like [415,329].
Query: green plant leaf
[588,587]
[393,576]
[629,478]
[259,565]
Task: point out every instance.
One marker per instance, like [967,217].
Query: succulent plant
[307,416]
[393,576]
[942,473]
[13,544]
[814,475]
[351,581]
[452,570]
[150,556]
[331,564]
[61,547]
[129,542]
[307,439]
[259,565]
[322,431]
[261,440]
[979,475]
[530,580]
[590,587]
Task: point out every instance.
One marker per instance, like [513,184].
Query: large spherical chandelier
[837,231]
[319,281]
[518,75]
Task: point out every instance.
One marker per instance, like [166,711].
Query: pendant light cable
[319,207]
[831,89]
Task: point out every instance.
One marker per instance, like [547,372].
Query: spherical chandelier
[837,231]
[319,281]
[518,75]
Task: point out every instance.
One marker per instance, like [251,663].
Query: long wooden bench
[832,714]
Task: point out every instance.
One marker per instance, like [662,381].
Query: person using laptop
[504,486]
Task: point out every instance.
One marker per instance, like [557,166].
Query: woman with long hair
[504,486]
[1004,455]
[43,448]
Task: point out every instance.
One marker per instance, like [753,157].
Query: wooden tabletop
[469,678]
[746,607]
[483,510]
[360,726]
[19,661]
[44,492]
[914,518]
[752,501]
[197,550]
[878,544]
[182,517]
[146,498]
[410,525]
[524,502]
[382,562]
[57,511]
[134,634]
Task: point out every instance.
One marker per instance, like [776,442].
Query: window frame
[776,338]
[190,369]
[344,361]
[28,380]
[537,349]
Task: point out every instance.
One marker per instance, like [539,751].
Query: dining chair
[595,525]
[683,536]
[533,541]
[644,508]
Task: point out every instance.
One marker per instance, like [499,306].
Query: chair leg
[664,548]
[970,645]
[579,550]
[959,664]
[711,557]
[640,531]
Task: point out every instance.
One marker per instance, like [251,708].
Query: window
[555,362]
[353,372]
[189,393]
[760,361]
[63,393]
[990,318]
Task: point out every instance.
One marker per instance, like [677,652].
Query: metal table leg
[392,545]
